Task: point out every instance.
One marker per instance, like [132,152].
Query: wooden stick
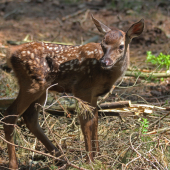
[159,131]
[146,75]
[157,121]
[74,14]
[113,105]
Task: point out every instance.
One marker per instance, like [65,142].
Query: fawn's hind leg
[31,120]
[17,108]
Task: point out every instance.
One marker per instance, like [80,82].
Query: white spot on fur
[81,60]
[52,53]
[89,52]
[35,50]
[45,64]
[30,62]
[23,53]
[38,60]
[63,57]
[96,51]
[28,52]
[32,55]
[100,51]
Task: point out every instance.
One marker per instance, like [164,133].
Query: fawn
[87,71]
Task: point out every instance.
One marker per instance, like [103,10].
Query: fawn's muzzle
[106,63]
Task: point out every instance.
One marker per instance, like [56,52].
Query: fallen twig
[113,105]
[106,96]
[159,131]
[157,121]
[146,75]
[73,15]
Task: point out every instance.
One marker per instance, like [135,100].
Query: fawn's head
[115,42]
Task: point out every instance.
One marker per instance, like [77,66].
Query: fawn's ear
[135,30]
[100,26]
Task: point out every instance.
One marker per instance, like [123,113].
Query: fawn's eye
[121,47]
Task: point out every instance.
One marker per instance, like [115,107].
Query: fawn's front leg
[89,126]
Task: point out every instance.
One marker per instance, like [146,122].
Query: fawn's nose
[106,62]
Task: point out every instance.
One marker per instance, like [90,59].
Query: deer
[87,71]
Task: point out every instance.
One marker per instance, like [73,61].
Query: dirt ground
[52,20]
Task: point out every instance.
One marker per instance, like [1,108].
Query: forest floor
[123,143]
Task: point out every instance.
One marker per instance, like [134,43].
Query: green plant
[144,125]
[161,59]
